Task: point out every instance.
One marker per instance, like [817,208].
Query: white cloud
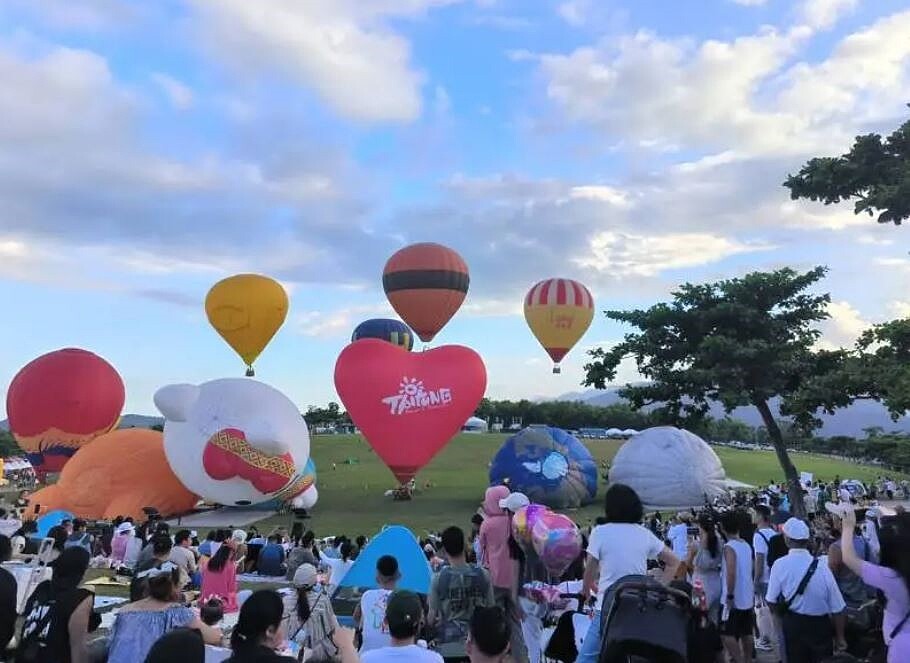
[750,3]
[900,309]
[342,49]
[743,95]
[843,327]
[178,94]
[823,14]
[574,12]
[625,254]
[338,323]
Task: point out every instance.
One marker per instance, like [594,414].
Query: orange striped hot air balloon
[559,312]
[426,284]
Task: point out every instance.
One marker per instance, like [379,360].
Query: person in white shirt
[404,618]
[183,556]
[369,614]
[737,591]
[679,535]
[807,623]
[760,545]
[619,548]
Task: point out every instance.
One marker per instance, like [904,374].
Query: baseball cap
[403,611]
[796,529]
[305,576]
[514,502]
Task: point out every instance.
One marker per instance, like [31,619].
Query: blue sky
[150,149]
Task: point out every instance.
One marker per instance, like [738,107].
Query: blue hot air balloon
[393,331]
[548,465]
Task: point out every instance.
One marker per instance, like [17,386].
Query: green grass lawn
[351,497]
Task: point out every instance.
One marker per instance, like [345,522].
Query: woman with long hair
[309,614]
[219,577]
[140,624]
[704,560]
[892,577]
[259,630]
[58,614]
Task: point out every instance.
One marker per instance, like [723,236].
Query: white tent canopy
[475,424]
[614,432]
[15,464]
[629,432]
[669,468]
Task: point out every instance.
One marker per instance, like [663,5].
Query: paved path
[222,518]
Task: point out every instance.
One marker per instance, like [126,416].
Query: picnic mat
[102,602]
[106,582]
[255,577]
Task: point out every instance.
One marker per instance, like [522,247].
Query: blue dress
[134,632]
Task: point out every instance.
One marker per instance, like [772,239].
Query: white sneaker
[763,645]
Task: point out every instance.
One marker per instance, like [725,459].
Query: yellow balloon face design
[247,310]
[559,312]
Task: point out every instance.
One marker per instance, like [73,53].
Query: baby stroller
[644,622]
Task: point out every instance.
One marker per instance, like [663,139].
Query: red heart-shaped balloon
[409,404]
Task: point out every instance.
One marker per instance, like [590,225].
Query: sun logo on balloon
[410,386]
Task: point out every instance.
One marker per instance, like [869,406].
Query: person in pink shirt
[120,543]
[219,577]
[497,557]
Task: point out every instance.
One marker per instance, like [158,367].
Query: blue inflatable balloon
[392,331]
[51,519]
[548,465]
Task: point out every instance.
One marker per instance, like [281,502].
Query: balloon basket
[250,372]
[556,370]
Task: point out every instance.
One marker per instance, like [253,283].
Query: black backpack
[777,548]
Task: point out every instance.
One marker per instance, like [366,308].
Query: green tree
[8,446]
[875,173]
[741,341]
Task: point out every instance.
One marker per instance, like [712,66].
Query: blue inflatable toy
[51,519]
[548,465]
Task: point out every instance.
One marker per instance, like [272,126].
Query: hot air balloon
[426,284]
[393,331]
[247,310]
[408,405]
[559,312]
[60,402]
[548,465]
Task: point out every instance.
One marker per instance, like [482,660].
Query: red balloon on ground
[409,405]
[61,401]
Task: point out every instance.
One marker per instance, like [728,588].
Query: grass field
[351,496]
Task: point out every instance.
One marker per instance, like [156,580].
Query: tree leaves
[875,172]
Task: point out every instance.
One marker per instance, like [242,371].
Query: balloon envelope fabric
[400,543]
[548,465]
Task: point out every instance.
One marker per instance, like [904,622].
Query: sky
[149,149]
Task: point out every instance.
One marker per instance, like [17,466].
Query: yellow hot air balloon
[559,312]
[247,310]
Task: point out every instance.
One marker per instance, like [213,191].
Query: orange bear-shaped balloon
[118,474]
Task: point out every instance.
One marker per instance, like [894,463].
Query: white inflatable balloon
[234,441]
[669,468]
[307,500]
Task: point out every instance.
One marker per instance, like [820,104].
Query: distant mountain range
[126,421]
[848,421]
